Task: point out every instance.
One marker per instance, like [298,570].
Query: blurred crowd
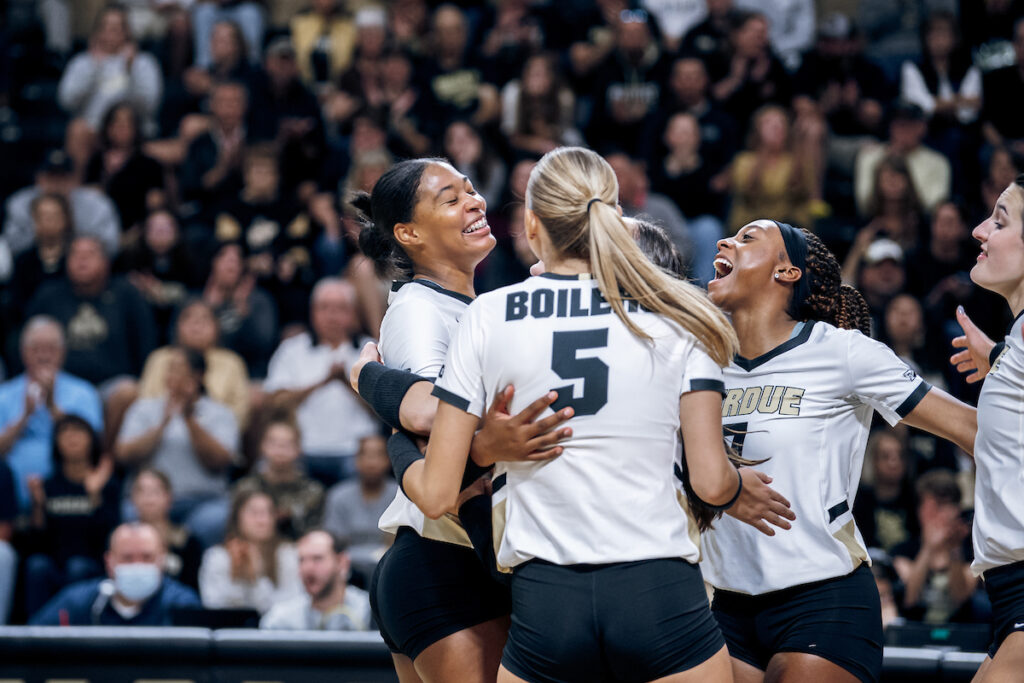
[181,289]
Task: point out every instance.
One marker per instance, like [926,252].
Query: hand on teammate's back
[504,437]
[759,505]
[977,347]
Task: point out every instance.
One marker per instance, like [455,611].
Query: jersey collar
[561,276]
[752,363]
[398,284]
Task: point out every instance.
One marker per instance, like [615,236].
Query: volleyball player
[440,613]
[603,559]
[999,448]
[803,606]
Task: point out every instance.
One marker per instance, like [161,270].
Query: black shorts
[837,619]
[1005,588]
[633,621]
[424,590]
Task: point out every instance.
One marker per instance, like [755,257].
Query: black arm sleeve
[403,452]
[383,389]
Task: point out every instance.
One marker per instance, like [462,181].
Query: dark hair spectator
[538,109]
[152,497]
[45,260]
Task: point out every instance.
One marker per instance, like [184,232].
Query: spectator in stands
[359,87]
[191,438]
[300,500]
[92,212]
[245,313]
[247,14]
[152,497]
[935,567]
[537,109]
[894,209]
[464,147]
[708,41]
[324,37]
[255,567]
[408,118]
[308,375]
[636,198]
[136,592]
[8,558]
[226,379]
[947,87]
[688,92]
[354,507]
[676,19]
[160,267]
[284,111]
[753,75]
[277,237]
[936,269]
[847,87]
[132,180]
[109,326]
[211,173]
[45,261]
[892,29]
[929,170]
[628,83]
[73,513]
[769,178]
[687,178]
[904,333]
[453,74]
[1002,164]
[229,62]
[886,508]
[1003,88]
[112,70]
[32,402]
[791,26]
[879,275]
[329,603]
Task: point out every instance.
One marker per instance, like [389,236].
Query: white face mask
[137,581]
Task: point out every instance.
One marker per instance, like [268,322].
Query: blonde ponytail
[560,192]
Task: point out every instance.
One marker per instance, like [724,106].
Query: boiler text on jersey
[564,303]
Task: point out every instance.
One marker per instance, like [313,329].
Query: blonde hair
[561,188]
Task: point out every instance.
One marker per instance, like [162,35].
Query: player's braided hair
[829,299]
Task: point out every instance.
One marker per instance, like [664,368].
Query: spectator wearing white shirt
[308,373]
[112,70]
[254,567]
[329,603]
[791,26]
[191,438]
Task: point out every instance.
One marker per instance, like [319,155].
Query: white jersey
[610,496]
[420,322]
[999,457]
[806,406]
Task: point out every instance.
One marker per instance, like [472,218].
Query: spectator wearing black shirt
[8,558]
[628,84]
[935,566]
[211,172]
[132,180]
[709,40]
[74,510]
[108,324]
[152,497]
[753,76]
[45,261]
[886,504]
[1004,90]
[245,312]
[284,111]
[160,267]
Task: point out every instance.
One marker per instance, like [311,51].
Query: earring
[776,276]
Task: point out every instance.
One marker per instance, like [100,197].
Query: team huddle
[579,453]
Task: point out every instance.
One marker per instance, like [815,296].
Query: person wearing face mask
[135,592]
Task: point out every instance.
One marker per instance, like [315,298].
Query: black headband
[796,250]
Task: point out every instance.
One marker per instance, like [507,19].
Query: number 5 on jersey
[593,371]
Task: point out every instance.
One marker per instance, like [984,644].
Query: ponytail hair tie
[591,203]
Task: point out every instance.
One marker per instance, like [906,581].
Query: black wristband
[383,389]
[732,501]
[403,452]
[994,353]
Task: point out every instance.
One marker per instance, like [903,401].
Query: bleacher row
[197,655]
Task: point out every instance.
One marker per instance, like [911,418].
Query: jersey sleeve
[882,380]
[701,373]
[414,337]
[460,382]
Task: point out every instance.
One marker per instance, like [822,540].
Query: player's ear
[406,234]
[531,224]
[788,274]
